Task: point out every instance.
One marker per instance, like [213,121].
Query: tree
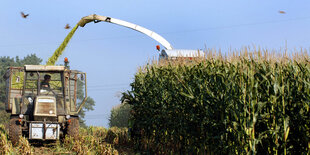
[120,115]
[88,106]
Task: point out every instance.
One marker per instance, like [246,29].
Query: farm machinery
[167,53]
[44,112]
[50,113]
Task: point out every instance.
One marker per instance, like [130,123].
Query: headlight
[67,116]
[51,111]
[21,116]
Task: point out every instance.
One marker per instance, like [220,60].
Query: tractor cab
[43,100]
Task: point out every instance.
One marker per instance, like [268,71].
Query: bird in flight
[24,15]
[282,12]
[67,26]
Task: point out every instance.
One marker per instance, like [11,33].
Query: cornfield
[253,102]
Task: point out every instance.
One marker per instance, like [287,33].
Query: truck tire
[73,127]
[15,131]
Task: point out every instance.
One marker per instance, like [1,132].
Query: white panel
[52,131]
[36,131]
[46,100]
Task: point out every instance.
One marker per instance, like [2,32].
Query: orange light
[20,120]
[69,121]
[158,47]
[66,60]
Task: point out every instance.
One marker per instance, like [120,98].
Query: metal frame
[75,90]
[9,71]
[85,98]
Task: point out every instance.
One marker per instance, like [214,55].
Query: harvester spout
[87,19]
[98,18]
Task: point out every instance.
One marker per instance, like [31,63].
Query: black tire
[73,127]
[15,131]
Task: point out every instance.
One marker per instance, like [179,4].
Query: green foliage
[88,106]
[29,60]
[245,106]
[120,115]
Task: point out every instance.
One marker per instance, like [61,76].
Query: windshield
[48,83]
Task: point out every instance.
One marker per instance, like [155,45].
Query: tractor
[44,113]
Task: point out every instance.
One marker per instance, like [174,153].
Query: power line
[106,88]
[108,85]
[176,32]
[240,25]
[99,90]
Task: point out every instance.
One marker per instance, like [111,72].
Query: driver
[45,83]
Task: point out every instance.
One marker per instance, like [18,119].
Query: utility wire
[176,32]
[118,89]
[103,88]
[239,25]
[109,85]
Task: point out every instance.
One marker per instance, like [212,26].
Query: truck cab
[44,113]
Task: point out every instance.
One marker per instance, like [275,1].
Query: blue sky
[111,54]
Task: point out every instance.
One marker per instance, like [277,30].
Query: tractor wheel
[15,131]
[73,127]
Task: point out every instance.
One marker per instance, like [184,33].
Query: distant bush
[120,115]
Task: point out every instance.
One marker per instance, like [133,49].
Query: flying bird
[282,12]
[67,26]
[24,15]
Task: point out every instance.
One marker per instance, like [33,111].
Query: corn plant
[5,145]
[244,104]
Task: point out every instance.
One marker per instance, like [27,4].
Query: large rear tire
[73,127]
[15,131]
